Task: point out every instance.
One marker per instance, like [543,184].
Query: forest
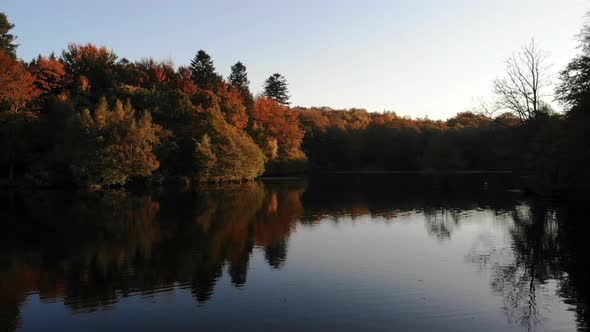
[90,118]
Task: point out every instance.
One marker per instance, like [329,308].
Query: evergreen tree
[239,77]
[275,87]
[6,39]
[204,73]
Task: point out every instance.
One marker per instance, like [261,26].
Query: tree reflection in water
[538,268]
[91,249]
[534,264]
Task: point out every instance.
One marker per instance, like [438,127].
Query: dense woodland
[88,117]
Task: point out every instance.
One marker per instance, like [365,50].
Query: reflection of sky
[351,274]
[377,54]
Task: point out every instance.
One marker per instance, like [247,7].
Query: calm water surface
[458,253]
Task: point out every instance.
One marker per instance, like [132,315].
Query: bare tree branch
[520,91]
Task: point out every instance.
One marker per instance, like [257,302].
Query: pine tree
[239,77]
[6,39]
[203,72]
[275,87]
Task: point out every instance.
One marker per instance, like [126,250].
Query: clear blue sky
[418,58]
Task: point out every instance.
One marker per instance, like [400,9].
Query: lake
[330,253]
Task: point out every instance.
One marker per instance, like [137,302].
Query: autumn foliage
[93,68]
[89,117]
[50,75]
[185,82]
[232,106]
[278,129]
[122,145]
[108,121]
[17,86]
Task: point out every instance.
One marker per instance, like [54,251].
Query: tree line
[88,117]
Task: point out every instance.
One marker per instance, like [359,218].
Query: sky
[418,58]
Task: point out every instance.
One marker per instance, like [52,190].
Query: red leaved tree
[278,130]
[17,86]
[232,106]
[50,75]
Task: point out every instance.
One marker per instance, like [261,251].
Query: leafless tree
[521,90]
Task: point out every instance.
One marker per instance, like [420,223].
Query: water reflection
[89,250]
[547,262]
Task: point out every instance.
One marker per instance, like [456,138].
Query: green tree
[204,73]
[206,157]
[239,77]
[6,39]
[574,88]
[275,87]
[224,152]
[574,93]
[112,146]
[174,111]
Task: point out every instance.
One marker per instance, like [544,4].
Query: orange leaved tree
[277,130]
[17,86]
